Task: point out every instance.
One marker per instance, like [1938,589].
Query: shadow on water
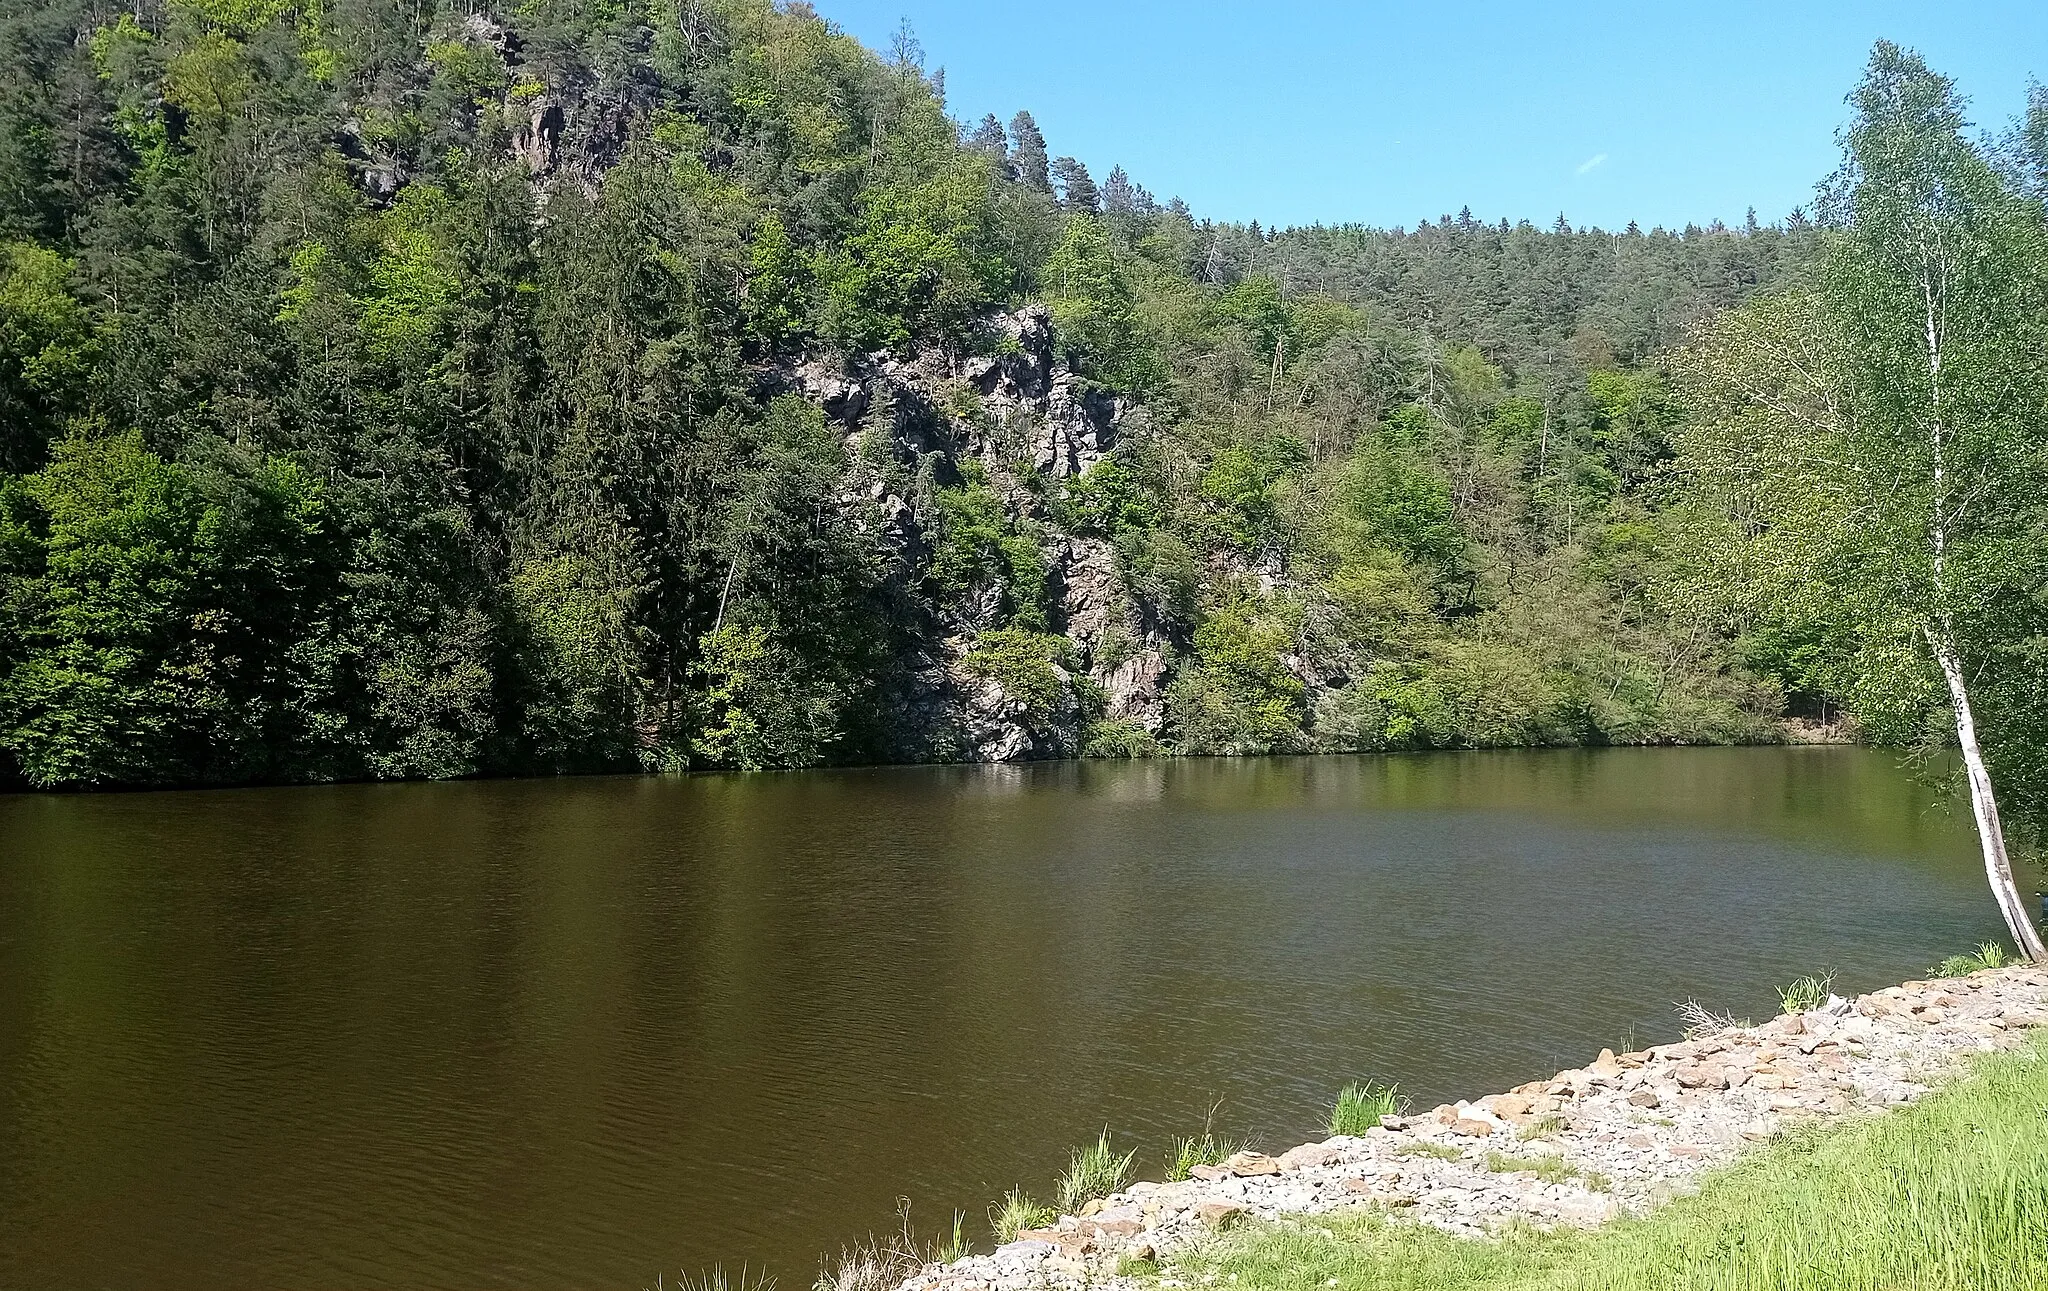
[581,1032]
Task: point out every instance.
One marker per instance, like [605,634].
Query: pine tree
[988,137]
[1027,153]
[1077,190]
[1118,195]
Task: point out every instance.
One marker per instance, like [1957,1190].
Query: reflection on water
[581,1032]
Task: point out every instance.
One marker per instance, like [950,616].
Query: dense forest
[399,390]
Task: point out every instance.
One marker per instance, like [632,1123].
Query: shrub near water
[1807,993]
[1360,1107]
[1989,954]
[1949,1194]
[1093,1171]
[1189,1152]
[1015,1213]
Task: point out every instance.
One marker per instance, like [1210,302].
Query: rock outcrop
[1016,410]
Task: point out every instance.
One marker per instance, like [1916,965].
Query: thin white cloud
[1592,163]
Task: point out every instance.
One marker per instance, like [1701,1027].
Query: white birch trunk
[1984,805]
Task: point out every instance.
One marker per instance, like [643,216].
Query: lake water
[579,1033]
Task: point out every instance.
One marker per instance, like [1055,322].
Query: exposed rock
[1742,1091]
[1308,1155]
[1217,1214]
[1018,409]
[534,139]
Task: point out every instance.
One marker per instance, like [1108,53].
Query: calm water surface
[581,1033]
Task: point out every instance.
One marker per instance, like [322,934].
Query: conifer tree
[1027,154]
[1119,196]
[1076,189]
[988,137]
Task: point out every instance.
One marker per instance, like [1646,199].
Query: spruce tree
[1119,196]
[988,137]
[1027,153]
[1077,189]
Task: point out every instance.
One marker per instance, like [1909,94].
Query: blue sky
[1292,112]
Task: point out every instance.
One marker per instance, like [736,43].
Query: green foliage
[1949,1192]
[955,1247]
[1550,1169]
[574,616]
[1015,1213]
[1250,487]
[237,16]
[764,709]
[45,350]
[1120,737]
[1806,993]
[1093,308]
[1989,954]
[777,288]
[1109,499]
[1237,694]
[1360,1107]
[1384,498]
[978,548]
[1030,667]
[1093,1170]
[559,521]
[140,613]
[1257,306]
[1189,1152]
[1160,569]
[925,256]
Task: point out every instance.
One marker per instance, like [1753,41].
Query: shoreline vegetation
[422,394]
[1895,1139]
[433,391]
[471,389]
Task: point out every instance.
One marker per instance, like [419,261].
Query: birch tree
[1876,439]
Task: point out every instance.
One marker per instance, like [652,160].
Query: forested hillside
[411,390]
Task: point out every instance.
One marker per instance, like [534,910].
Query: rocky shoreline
[1622,1133]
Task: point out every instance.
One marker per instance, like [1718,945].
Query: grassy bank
[1949,1193]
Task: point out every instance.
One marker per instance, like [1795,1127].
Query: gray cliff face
[567,133]
[917,420]
[911,423]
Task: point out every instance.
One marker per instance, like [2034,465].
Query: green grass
[1807,993]
[1015,1213]
[954,1247]
[1441,1151]
[1950,1194]
[1542,1127]
[1548,1169]
[1190,1152]
[1990,954]
[1360,1107]
[1094,1170]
